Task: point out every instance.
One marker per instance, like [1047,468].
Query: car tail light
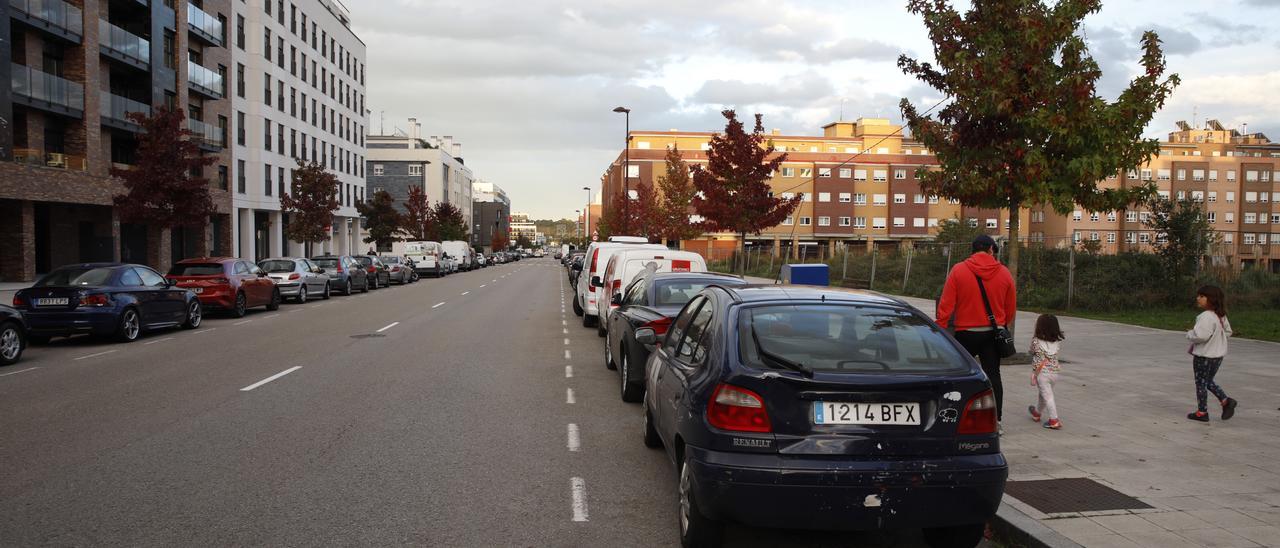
[95,300]
[979,416]
[372,269]
[19,302]
[395,269]
[221,281]
[617,288]
[659,326]
[295,276]
[338,269]
[737,409]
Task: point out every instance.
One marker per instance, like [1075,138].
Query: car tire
[328,290]
[302,294]
[589,321]
[130,326]
[600,332]
[241,306]
[577,308]
[651,438]
[632,389]
[365,288]
[195,315]
[346,288]
[696,530]
[608,357]
[11,343]
[959,536]
[374,286]
[274,303]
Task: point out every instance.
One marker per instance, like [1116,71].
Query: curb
[1012,526]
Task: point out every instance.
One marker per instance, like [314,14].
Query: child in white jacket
[1045,368]
[1208,347]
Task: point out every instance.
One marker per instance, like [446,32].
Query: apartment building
[76,70]
[522,225]
[490,214]
[299,73]
[397,162]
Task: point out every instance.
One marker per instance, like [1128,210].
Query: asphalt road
[472,410]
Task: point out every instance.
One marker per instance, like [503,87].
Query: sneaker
[1035,415]
[1198,416]
[1229,409]
[1053,424]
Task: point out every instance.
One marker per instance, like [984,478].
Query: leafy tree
[418,217]
[1183,235]
[677,193]
[382,220]
[1025,124]
[645,220]
[160,188]
[957,231]
[500,241]
[449,224]
[523,242]
[733,192]
[310,204]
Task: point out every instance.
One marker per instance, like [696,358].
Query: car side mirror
[320,271]
[577,267]
[595,282]
[646,335]
[616,300]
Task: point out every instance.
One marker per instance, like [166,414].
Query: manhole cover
[368,336]
[1071,495]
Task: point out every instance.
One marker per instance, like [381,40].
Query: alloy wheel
[241,305]
[10,343]
[684,498]
[194,314]
[302,294]
[129,325]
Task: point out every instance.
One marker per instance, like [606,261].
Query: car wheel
[365,287]
[577,308]
[302,294]
[375,283]
[346,287]
[589,321]
[960,536]
[130,326]
[274,303]
[600,332]
[651,438]
[194,315]
[632,389]
[608,357]
[327,291]
[239,309]
[696,530]
[11,343]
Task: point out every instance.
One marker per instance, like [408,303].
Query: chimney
[457,150]
[413,128]
[446,143]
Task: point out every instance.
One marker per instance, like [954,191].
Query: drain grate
[1071,495]
[368,336]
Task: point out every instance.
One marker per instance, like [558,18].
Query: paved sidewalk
[1123,398]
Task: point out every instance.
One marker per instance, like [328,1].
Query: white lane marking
[242,322]
[388,326]
[566,331]
[495,279]
[205,330]
[93,355]
[568,396]
[567,355]
[149,343]
[271,378]
[482,285]
[566,342]
[316,305]
[562,322]
[465,292]
[16,372]
[568,371]
[574,442]
[579,487]
[437,305]
[270,316]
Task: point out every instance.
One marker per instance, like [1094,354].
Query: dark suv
[346,274]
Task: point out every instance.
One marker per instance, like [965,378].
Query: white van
[425,257]
[461,253]
[625,265]
[586,293]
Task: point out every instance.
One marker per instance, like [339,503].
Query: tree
[1183,235]
[500,241]
[418,217]
[733,192]
[310,203]
[523,242]
[1025,124]
[677,193]
[957,231]
[449,224]
[382,220]
[160,188]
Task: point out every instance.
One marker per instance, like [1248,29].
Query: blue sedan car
[818,408]
[105,299]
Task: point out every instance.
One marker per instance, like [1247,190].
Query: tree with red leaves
[310,203]
[160,188]
[733,192]
[418,217]
[672,208]
[500,241]
[449,224]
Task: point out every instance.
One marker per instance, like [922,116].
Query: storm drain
[1071,495]
[368,336]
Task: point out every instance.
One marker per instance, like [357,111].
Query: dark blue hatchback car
[112,299]
[818,408]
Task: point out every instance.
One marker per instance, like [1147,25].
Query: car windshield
[76,277]
[677,293]
[196,269]
[844,339]
[328,262]
[278,265]
[365,260]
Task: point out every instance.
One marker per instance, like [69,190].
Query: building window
[378,171]
[845,173]
[1146,175]
[223,180]
[1229,217]
[788,172]
[859,222]
[1077,215]
[415,169]
[878,199]
[877,222]
[280,179]
[787,221]
[1093,216]
[1111,237]
[824,172]
[919,198]
[240,31]
[846,221]
[899,198]
[846,197]
[824,196]
[267,132]
[266,40]
[1212,217]
[899,174]
[880,175]
[240,181]
[917,222]
[266,180]
[1231,197]
[806,172]
[1231,175]
[1182,174]
[899,222]
[859,199]
[824,221]
[633,171]
[240,128]
[859,174]
[993,223]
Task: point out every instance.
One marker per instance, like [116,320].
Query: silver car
[297,278]
[398,268]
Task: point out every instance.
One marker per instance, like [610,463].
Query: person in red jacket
[961,311]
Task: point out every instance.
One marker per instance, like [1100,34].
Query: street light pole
[586,214]
[577,223]
[626,167]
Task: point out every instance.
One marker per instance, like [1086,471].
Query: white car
[626,264]
[587,292]
[426,258]
[461,253]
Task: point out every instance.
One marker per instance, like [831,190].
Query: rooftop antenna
[1195,112]
[841,109]
[382,122]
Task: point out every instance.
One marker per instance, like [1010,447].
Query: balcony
[47,92]
[57,160]
[124,46]
[209,137]
[115,111]
[204,26]
[204,81]
[53,16]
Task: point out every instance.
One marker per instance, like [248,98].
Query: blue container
[806,274]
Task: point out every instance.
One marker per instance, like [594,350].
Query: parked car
[13,335]
[575,272]
[587,295]
[398,270]
[844,409]
[647,306]
[379,274]
[626,264]
[426,258]
[105,299]
[233,285]
[297,278]
[345,273]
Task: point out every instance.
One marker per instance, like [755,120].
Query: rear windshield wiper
[781,361]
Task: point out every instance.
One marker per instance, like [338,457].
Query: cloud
[855,48]
[1262,3]
[798,90]
[1227,33]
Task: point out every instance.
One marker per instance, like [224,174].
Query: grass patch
[1248,323]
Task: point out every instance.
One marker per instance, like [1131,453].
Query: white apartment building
[482,191]
[397,162]
[298,94]
[450,179]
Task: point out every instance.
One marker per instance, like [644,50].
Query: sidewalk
[1123,399]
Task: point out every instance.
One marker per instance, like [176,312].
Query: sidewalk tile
[1105,541]
[1177,521]
[1160,539]
[1217,538]
[1266,535]
[1226,518]
[1269,515]
[1126,523]
[1077,527]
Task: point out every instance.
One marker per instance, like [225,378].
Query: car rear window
[366,261]
[196,269]
[278,265]
[676,293]
[845,339]
[76,277]
[326,263]
[391,260]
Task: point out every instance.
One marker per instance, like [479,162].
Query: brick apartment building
[76,68]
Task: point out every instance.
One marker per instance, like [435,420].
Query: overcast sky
[528,87]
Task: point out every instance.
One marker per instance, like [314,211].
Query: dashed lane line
[93,355]
[579,488]
[437,305]
[567,355]
[465,292]
[149,343]
[271,378]
[388,326]
[568,371]
[242,322]
[574,442]
[20,371]
[566,342]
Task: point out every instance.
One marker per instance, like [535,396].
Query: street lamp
[577,223]
[626,166]
[587,214]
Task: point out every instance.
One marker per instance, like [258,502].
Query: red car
[234,285]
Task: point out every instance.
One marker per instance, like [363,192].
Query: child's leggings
[1044,404]
[1205,369]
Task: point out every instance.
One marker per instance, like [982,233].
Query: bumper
[288,290]
[219,299]
[53,324]
[824,494]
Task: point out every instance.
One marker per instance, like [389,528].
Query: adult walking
[977,303]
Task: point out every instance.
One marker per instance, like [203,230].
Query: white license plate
[52,301]
[197,290]
[866,413]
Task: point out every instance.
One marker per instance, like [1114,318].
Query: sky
[528,87]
